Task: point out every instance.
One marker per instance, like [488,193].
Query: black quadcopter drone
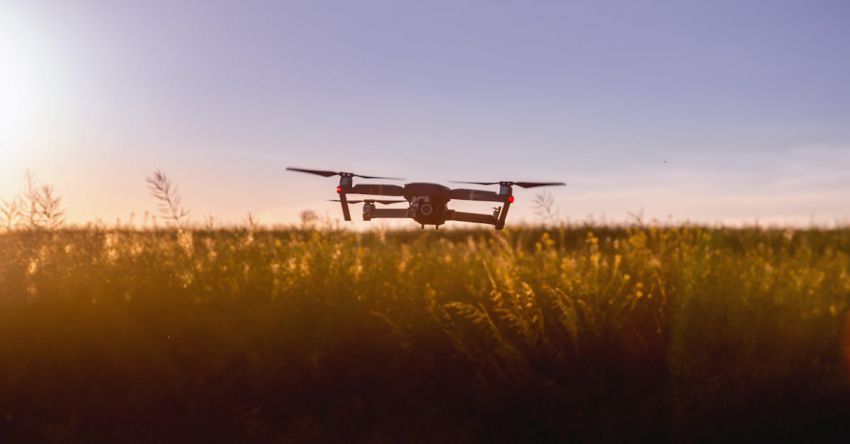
[427,202]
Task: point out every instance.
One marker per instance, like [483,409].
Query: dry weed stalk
[544,207]
[166,193]
[252,221]
[11,213]
[41,207]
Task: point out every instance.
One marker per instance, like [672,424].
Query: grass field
[589,333]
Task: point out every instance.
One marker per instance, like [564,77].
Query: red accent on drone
[339,189]
[510,199]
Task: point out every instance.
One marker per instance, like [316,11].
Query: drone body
[427,202]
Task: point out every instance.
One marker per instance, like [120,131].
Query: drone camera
[426,209]
[422,206]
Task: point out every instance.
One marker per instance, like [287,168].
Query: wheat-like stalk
[11,213]
[169,198]
[42,207]
[544,207]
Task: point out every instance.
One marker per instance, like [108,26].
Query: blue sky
[722,111]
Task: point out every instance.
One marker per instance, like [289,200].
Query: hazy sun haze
[730,111]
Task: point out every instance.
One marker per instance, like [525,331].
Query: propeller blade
[378,177]
[380,201]
[388,202]
[475,183]
[328,173]
[519,184]
[538,184]
[323,173]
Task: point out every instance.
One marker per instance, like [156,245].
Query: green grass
[588,333]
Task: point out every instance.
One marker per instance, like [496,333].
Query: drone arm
[503,214]
[488,196]
[379,190]
[387,213]
[480,195]
[346,213]
[477,218]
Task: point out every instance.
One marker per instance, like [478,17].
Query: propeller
[327,173]
[519,184]
[368,201]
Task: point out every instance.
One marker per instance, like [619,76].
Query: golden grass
[594,333]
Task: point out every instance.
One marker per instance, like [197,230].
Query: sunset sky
[708,111]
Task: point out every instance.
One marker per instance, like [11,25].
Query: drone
[427,202]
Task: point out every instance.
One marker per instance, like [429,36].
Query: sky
[729,112]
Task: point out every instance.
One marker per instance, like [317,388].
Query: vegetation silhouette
[547,333]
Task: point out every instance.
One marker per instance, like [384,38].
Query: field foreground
[582,333]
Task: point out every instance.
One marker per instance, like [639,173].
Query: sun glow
[28,91]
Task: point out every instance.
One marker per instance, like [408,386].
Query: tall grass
[590,333]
